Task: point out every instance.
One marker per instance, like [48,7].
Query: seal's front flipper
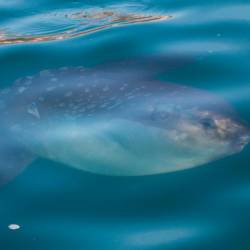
[13,158]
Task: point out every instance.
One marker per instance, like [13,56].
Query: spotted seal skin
[114,122]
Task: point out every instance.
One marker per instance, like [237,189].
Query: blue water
[58,207]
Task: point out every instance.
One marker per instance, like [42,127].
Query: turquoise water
[58,207]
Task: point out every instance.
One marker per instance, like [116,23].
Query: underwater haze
[156,94]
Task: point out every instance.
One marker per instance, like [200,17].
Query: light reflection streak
[86,23]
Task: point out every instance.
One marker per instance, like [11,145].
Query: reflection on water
[68,24]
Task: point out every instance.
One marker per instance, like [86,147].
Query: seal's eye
[207,123]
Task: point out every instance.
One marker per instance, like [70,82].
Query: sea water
[51,206]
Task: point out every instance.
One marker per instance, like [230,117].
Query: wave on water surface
[69,23]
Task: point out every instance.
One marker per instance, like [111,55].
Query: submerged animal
[114,121]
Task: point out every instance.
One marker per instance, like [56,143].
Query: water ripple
[63,24]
